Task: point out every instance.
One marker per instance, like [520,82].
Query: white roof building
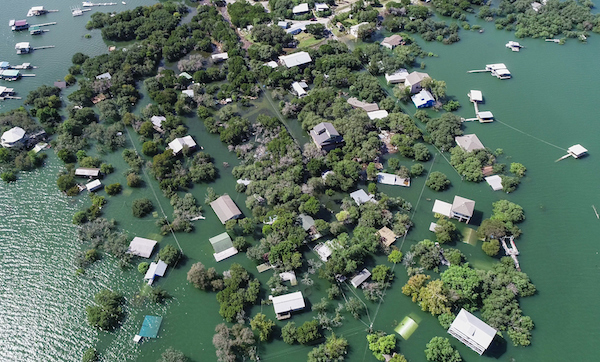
[155,270]
[380,114]
[219,57]
[223,246]
[298,89]
[12,137]
[87,172]
[498,70]
[577,150]
[360,278]
[423,99]
[296,59]
[178,143]
[188,93]
[272,64]
[367,107]
[475,96]
[495,182]
[141,247]
[225,209]
[300,9]
[321,7]
[391,179]
[472,331]
[355,28]
[397,77]
[360,197]
[469,142]
[157,121]
[485,116]
[323,250]
[104,76]
[283,24]
[94,185]
[287,303]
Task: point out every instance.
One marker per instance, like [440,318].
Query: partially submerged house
[324,250]
[472,331]
[326,137]
[219,57]
[368,107]
[157,123]
[413,81]
[178,144]
[155,270]
[388,237]
[295,59]
[87,172]
[360,278]
[423,99]
[360,197]
[380,114]
[225,209]
[188,93]
[14,137]
[461,209]
[223,246]
[495,182]
[285,304]
[355,28]
[397,77]
[536,6]
[308,224]
[469,142]
[93,185]
[141,247]
[299,89]
[392,41]
[391,179]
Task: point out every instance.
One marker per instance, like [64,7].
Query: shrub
[169,254]
[149,148]
[134,180]
[142,207]
[143,267]
[65,182]
[437,181]
[80,217]
[113,189]
[491,247]
[8,176]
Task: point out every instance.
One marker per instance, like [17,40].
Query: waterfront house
[155,270]
[87,172]
[368,107]
[225,209]
[397,77]
[326,137]
[299,89]
[360,278]
[285,304]
[178,144]
[413,81]
[300,9]
[423,99]
[14,137]
[391,179]
[392,41]
[157,122]
[360,197]
[295,59]
[106,76]
[380,114]
[308,224]
[223,246]
[387,236]
[324,250]
[93,185]
[141,247]
[469,142]
[461,209]
[321,7]
[219,57]
[472,331]
[355,28]
[23,48]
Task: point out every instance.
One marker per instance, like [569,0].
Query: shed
[150,326]
[388,237]
[225,209]
[219,57]
[289,276]
[380,114]
[360,197]
[469,142]
[287,303]
[472,331]
[178,143]
[423,99]
[141,247]
[104,76]
[432,227]
[397,77]
[495,182]
[392,41]
[300,9]
[295,59]
[13,137]
[155,270]
[94,185]
[87,172]
[223,246]
[296,29]
[360,278]
[368,107]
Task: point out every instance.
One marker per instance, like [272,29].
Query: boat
[23,48]
[123,2]
[18,25]
[514,46]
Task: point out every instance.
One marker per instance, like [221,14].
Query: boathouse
[296,59]
[498,70]
[360,197]
[23,48]
[13,137]
[360,278]
[413,81]
[423,99]
[285,304]
[10,74]
[87,172]
[475,96]
[149,329]
[469,142]
[225,209]
[36,11]
[18,25]
[485,116]
[141,247]
[472,331]
[392,41]
[326,137]
[223,246]
[367,107]
[155,270]
[178,144]
[6,92]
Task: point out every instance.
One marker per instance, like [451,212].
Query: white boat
[123,2]
[514,46]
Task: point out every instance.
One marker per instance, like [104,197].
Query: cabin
[93,185]
[219,57]
[326,137]
[391,179]
[423,99]
[295,59]
[461,209]
[141,247]
[472,331]
[300,9]
[13,138]
[495,182]
[392,41]
[469,142]
[380,114]
[23,48]
[360,197]
[87,172]
[155,270]
[225,209]
[577,151]
[360,278]
[397,77]
[178,144]
[387,236]
[299,89]
[355,28]
[18,25]
[10,74]
[285,304]
[223,246]
[319,7]
[413,81]
[368,107]
[157,122]
[498,70]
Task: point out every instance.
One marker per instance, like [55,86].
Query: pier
[596,212]
[553,40]
[43,47]
[89,4]
[513,251]
[45,24]
[574,151]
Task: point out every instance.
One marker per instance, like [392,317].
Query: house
[223,246]
[13,137]
[283,24]
[577,150]
[391,179]
[472,331]
[323,250]
[360,197]
[225,209]
[355,28]
[388,237]
[4,65]
[368,107]
[397,77]
[300,9]
[188,93]
[326,137]
[87,172]
[178,144]
[18,25]
[299,89]
[10,74]
[155,270]
[157,122]
[485,116]
[94,185]
[141,247]
[285,304]
[360,278]
[461,209]
[308,224]
[392,41]
[321,7]
[423,99]
[219,57]
[104,76]
[296,29]
[536,6]
[495,182]
[23,48]
[413,81]
[469,142]
[295,59]
[380,114]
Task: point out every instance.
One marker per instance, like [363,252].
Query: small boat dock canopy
[360,278]
[577,150]
[485,116]
[141,247]
[150,326]
[475,96]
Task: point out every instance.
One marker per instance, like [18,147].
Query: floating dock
[574,151]
[90,4]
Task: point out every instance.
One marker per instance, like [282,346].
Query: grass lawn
[307,40]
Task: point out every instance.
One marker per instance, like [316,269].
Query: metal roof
[141,247]
[295,59]
[469,142]
[288,302]
[225,208]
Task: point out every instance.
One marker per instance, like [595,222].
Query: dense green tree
[90,355]
[464,282]
[169,254]
[395,256]
[142,207]
[289,333]
[113,189]
[445,231]
[308,332]
[381,344]
[439,349]
[263,325]
[518,169]
[107,312]
[172,355]
[491,247]
[334,349]
[437,181]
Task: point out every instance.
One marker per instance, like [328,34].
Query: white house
[157,122]
[104,76]
[285,304]
[283,24]
[536,6]
[495,182]
[472,331]
[300,9]
[141,247]
[397,77]
[295,59]
[321,7]
[498,70]
[461,209]
[469,142]
[188,93]
[423,99]
[87,172]
[413,81]
[380,114]
[391,179]
[355,28]
[219,57]
[178,143]
[13,137]
[94,185]
[155,270]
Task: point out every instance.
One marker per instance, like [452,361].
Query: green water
[552,96]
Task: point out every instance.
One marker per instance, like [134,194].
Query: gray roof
[141,247]
[295,59]
[469,142]
[87,172]
[369,107]
[225,209]
[393,40]
[360,278]
[307,221]
[325,134]
[360,196]
[463,206]
[415,77]
[288,302]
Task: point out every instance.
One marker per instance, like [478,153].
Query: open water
[552,101]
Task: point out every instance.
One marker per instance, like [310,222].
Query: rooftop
[577,150]
[360,278]
[141,247]
[299,9]
[472,331]
[13,135]
[495,182]
[393,40]
[223,246]
[380,114]
[288,302]
[369,107]
[178,143]
[388,236]
[225,208]
[475,96]
[469,142]
[360,197]
[463,206]
[295,59]
[156,269]
[323,133]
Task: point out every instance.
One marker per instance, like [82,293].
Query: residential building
[397,77]
[295,59]
[87,172]
[413,81]
[178,144]
[104,76]
[472,331]
[360,197]
[380,114]
[321,7]
[392,41]
[141,247]
[461,209]
[219,57]
[14,137]
[423,99]
[299,89]
[355,28]
[155,270]
[300,9]
[285,304]
[157,122]
[93,185]
[326,137]
[225,209]
[368,107]
[223,246]
[388,237]
[360,278]
[469,142]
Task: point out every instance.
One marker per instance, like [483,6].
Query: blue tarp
[150,326]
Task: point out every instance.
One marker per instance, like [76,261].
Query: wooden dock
[553,40]
[45,24]
[478,71]
[43,47]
